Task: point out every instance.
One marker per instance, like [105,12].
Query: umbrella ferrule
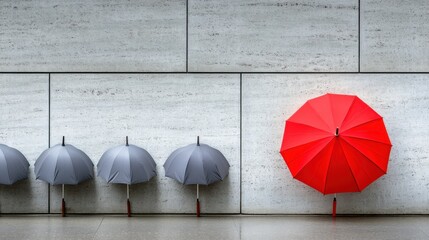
[63,142]
[198,140]
[337,132]
[126,141]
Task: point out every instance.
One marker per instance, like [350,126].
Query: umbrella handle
[63,202]
[63,208]
[129,207]
[198,200]
[334,207]
[198,208]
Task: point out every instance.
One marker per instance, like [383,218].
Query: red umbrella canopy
[336,143]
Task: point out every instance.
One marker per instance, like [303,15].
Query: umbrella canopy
[126,164]
[336,143]
[13,165]
[63,164]
[196,164]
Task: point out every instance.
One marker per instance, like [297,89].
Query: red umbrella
[336,143]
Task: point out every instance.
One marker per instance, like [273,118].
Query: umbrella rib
[287,149]
[324,130]
[314,157]
[351,145]
[348,112]
[320,117]
[129,163]
[202,164]
[366,139]
[4,157]
[56,163]
[358,125]
[74,169]
[348,165]
[332,108]
[186,168]
[327,171]
[111,168]
[8,170]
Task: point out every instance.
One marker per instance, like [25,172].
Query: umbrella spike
[198,140]
[63,144]
[126,141]
[337,132]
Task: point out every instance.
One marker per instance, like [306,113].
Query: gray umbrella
[63,164]
[13,165]
[197,164]
[126,164]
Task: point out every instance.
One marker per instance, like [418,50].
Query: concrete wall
[163,72]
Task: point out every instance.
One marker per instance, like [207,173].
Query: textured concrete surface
[24,126]
[97,35]
[273,35]
[159,113]
[214,227]
[268,100]
[394,36]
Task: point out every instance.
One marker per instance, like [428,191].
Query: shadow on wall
[22,191]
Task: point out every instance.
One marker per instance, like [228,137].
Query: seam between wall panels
[359,41]
[187,33]
[241,143]
[49,135]
[255,73]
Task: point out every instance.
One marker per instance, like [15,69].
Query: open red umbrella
[336,143]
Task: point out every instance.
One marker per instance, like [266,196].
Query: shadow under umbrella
[126,164]
[63,164]
[197,164]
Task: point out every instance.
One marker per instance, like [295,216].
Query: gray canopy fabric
[63,164]
[13,165]
[126,164]
[196,164]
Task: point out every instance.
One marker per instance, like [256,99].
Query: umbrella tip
[63,141]
[126,141]
[336,132]
[198,140]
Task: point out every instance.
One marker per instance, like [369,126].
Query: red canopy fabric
[336,143]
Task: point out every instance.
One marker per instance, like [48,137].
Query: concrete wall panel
[24,126]
[103,36]
[159,113]
[394,36]
[272,35]
[268,100]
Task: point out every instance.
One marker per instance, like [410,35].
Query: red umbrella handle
[198,208]
[129,207]
[63,208]
[334,207]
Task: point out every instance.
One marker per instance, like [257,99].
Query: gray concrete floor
[213,227]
